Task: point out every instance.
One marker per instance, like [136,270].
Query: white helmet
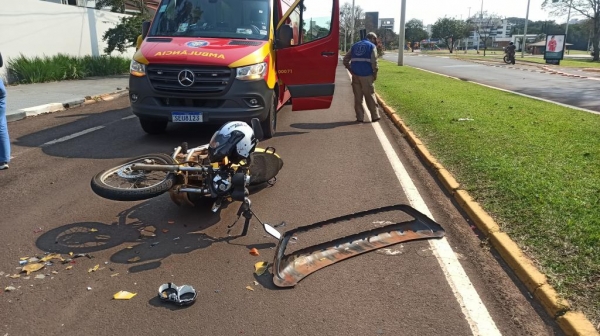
[234,140]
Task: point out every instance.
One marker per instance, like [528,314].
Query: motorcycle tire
[100,188]
[506,60]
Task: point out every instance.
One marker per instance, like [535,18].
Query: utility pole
[525,31]
[353,22]
[401,35]
[480,22]
[467,39]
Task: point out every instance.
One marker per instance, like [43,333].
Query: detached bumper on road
[288,270]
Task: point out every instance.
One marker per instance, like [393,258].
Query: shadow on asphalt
[177,233]
[323,125]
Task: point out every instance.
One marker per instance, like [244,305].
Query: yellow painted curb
[523,268]
[575,323]
[550,301]
[572,323]
[482,220]
[448,180]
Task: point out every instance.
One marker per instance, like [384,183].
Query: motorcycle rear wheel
[131,183]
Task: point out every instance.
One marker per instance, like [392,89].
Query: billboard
[371,21]
[555,48]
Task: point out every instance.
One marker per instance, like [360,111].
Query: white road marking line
[129,117]
[74,135]
[462,65]
[475,312]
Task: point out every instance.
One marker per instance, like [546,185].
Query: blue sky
[430,10]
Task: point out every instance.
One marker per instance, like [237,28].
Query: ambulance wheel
[153,126]
[269,126]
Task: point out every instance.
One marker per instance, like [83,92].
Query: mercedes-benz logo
[186,77]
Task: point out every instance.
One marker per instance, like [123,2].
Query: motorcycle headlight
[252,72]
[137,69]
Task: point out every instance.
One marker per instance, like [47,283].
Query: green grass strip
[534,166]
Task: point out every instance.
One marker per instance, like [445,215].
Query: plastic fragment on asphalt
[249,288]
[9,289]
[32,268]
[94,269]
[255,283]
[254,252]
[124,295]
[89,288]
[260,267]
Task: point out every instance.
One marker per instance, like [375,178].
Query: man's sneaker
[3,166]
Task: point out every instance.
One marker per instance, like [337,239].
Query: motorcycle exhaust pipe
[195,190]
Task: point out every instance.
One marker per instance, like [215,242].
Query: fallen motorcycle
[224,169]
[220,170]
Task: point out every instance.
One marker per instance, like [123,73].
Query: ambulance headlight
[137,69]
[252,72]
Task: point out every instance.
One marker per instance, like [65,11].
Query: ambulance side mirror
[145,29]
[284,36]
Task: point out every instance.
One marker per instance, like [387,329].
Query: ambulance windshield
[245,19]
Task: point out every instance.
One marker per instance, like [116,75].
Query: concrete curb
[57,107]
[571,322]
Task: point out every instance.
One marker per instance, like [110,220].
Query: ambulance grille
[207,79]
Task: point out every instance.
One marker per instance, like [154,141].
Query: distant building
[386,23]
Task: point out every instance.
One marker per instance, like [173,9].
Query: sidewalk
[32,99]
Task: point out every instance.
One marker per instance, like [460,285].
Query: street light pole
[525,31]
[480,22]
[353,22]
[401,35]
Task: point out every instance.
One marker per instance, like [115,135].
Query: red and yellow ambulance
[212,61]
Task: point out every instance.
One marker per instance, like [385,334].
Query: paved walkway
[31,95]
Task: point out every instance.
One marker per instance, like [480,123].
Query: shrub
[26,70]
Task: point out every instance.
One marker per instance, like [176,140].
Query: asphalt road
[580,92]
[333,166]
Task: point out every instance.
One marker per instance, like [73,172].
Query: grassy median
[534,166]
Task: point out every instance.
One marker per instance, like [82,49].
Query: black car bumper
[217,99]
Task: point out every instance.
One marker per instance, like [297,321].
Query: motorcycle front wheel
[506,59]
[121,183]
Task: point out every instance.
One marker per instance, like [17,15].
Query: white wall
[38,28]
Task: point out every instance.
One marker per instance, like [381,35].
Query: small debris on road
[124,295]
[260,267]
[249,288]
[9,289]
[254,252]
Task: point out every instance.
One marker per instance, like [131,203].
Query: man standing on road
[361,61]
[511,51]
[4,139]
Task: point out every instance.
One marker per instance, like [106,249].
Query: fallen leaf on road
[93,230]
[71,254]
[9,288]
[249,288]
[260,267]
[171,222]
[14,276]
[150,228]
[54,272]
[124,295]
[69,267]
[165,230]
[32,268]
[254,252]
[24,258]
[114,275]
[134,259]
[94,269]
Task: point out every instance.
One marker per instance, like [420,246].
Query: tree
[587,8]
[485,25]
[346,19]
[449,30]
[414,32]
[125,33]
